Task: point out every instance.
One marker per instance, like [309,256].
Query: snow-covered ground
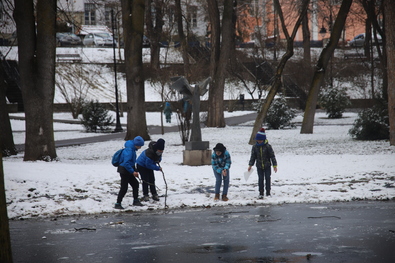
[322,167]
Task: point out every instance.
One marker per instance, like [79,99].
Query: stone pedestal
[197,153]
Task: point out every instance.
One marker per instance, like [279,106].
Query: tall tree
[36,52]
[5,241]
[133,12]
[320,68]
[154,24]
[183,38]
[277,83]
[389,12]
[220,56]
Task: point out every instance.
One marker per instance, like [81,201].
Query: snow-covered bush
[280,115]
[334,101]
[371,124]
[95,116]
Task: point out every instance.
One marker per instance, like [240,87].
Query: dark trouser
[148,177]
[128,178]
[264,174]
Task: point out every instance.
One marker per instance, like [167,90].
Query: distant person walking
[168,112]
[263,155]
[220,161]
[128,171]
[147,163]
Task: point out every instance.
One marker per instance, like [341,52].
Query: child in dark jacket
[262,153]
[220,161]
[128,172]
[147,163]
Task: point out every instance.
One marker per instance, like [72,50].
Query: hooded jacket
[128,157]
[263,155]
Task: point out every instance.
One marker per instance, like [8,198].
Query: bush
[280,115]
[95,116]
[372,124]
[334,101]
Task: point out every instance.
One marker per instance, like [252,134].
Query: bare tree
[133,29]
[319,74]
[277,83]
[183,38]
[36,50]
[389,11]
[154,25]
[220,56]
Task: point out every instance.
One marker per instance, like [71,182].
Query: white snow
[325,166]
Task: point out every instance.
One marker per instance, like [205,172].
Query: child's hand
[224,172]
[249,168]
[275,169]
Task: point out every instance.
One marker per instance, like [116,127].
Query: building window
[192,16]
[90,16]
[107,14]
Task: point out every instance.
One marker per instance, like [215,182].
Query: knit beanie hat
[159,145]
[261,135]
[220,147]
[138,141]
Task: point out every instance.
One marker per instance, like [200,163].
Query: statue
[195,144]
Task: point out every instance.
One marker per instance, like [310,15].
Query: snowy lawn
[325,166]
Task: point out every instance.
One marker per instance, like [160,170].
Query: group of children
[147,162]
[262,155]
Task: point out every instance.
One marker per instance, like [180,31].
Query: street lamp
[118,127]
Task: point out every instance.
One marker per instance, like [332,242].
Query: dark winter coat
[263,155]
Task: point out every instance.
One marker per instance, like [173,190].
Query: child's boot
[224,198]
[216,198]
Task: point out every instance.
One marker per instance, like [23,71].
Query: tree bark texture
[36,53]
[389,13]
[133,24]
[183,39]
[320,68]
[7,146]
[221,59]
[5,240]
[277,83]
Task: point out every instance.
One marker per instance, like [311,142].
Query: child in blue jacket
[128,172]
[147,163]
[220,161]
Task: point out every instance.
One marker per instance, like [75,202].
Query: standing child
[147,163]
[167,111]
[262,153]
[128,172]
[220,161]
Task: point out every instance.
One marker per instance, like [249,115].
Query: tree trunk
[37,70]
[133,25]
[389,12]
[220,56]
[7,146]
[154,30]
[319,74]
[183,39]
[5,241]
[306,41]
[280,68]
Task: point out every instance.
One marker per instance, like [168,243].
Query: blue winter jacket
[128,157]
[221,162]
[149,159]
